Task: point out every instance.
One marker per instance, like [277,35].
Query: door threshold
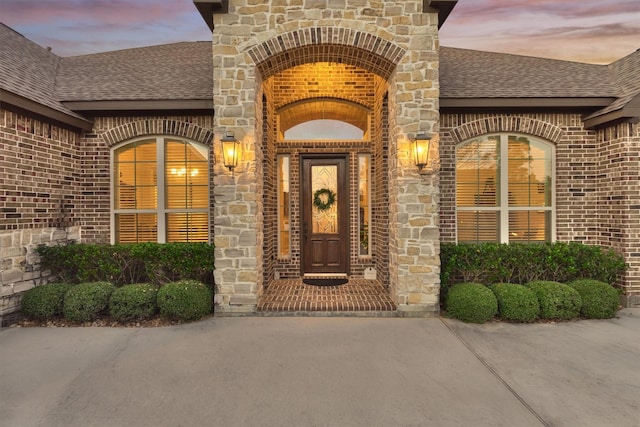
[325,276]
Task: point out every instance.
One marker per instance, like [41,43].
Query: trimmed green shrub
[126,264]
[133,302]
[471,302]
[44,302]
[185,300]
[557,300]
[516,303]
[86,301]
[520,263]
[599,300]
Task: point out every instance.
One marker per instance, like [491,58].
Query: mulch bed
[106,322]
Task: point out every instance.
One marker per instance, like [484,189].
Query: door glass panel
[324,202]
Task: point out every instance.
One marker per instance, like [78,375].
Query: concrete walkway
[324,372]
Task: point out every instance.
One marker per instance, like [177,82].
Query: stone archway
[396,42]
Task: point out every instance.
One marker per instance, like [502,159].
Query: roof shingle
[175,71]
[468,73]
[28,70]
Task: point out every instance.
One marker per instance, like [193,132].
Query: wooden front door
[325,215]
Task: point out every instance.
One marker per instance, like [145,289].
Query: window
[161,191]
[364,204]
[504,189]
[284,242]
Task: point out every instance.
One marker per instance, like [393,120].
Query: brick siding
[597,179]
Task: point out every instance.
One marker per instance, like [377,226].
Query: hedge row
[126,264]
[476,303]
[185,300]
[520,263]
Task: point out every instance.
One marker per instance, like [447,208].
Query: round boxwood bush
[471,302]
[599,300]
[557,300]
[86,301]
[185,300]
[133,302]
[44,302]
[516,303]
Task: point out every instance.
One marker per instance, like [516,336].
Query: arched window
[324,129]
[160,191]
[504,189]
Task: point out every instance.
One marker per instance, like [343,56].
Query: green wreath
[317,200]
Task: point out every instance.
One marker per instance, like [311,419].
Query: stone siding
[394,40]
[19,264]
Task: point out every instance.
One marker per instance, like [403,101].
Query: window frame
[503,209]
[161,210]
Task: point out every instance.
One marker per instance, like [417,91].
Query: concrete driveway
[324,372]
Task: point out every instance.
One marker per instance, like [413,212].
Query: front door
[325,215]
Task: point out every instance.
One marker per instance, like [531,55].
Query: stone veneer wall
[596,182]
[393,39]
[20,270]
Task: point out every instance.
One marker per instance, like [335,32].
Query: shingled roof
[166,72]
[475,79]
[468,73]
[28,72]
[626,73]
[179,76]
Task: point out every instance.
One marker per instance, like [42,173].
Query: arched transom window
[504,189]
[160,191]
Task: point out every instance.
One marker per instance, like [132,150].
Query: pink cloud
[21,12]
[589,31]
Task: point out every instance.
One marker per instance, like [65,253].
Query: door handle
[305,231]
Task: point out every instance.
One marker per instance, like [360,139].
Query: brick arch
[326,44]
[158,127]
[324,108]
[517,124]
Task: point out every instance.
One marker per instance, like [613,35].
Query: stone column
[414,235]
[238,208]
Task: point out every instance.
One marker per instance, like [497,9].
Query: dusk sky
[597,31]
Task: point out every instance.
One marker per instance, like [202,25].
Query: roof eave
[141,105]
[580,103]
[630,113]
[620,116]
[17,101]
[208,8]
[444,8]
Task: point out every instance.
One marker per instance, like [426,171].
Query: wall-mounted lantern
[230,150]
[421,146]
